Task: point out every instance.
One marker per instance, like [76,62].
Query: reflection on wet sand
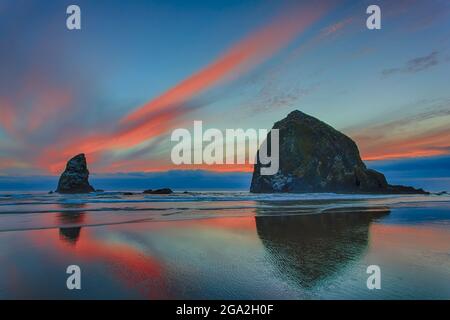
[279,254]
[307,249]
[70,234]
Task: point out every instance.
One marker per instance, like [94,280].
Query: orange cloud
[6,163]
[408,145]
[423,133]
[13,163]
[253,49]
[48,105]
[8,116]
[161,113]
[332,29]
[34,104]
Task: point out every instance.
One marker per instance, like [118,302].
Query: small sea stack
[159,191]
[75,178]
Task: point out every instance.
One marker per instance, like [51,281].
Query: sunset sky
[137,70]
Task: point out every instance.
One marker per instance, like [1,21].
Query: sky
[137,70]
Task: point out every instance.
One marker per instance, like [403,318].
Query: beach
[224,245]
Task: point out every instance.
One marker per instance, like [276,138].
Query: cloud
[8,115]
[169,109]
[33,106]
[272,98]
[251,51]
[423,133]
[415,65]
[337,27]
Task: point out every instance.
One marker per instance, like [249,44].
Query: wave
[119,201]
[112,197]
[55,211]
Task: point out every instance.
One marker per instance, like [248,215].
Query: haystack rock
[75,179]
[314,157]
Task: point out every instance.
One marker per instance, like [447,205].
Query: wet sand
[259,252]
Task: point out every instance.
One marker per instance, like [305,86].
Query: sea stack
[75,179]
[314,157]
[159,191]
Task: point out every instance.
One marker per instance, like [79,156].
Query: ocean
[224,245]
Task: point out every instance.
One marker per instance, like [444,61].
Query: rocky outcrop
[158,191]
[314,157]
[75,179]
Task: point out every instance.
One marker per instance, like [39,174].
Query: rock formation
[159,191]
[314,157]
[75,179]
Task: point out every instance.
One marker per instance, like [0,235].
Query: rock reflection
[309,248]
[71,233]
